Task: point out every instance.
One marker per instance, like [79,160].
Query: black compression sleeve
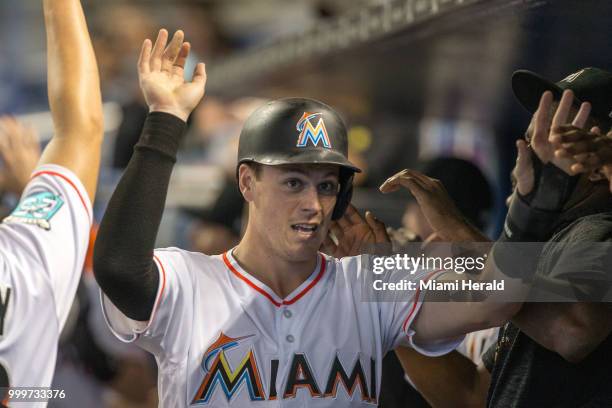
[123,254]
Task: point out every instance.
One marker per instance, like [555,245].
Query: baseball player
[44,240]
[272,322]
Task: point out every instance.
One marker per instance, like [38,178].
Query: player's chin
[302,249]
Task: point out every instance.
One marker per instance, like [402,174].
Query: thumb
[523,172]
[523,160]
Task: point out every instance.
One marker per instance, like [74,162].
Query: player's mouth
[305,229]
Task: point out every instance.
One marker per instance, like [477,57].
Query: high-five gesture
[355,234]
[545,137]
[161,75]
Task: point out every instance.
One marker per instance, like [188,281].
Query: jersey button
[290,338]
[287,313]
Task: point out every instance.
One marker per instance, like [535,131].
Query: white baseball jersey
[43,244]
[222,338]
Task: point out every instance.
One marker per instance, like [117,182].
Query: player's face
[293,205]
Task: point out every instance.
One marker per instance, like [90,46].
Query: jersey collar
[264,290]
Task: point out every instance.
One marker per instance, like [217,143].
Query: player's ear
[246,181]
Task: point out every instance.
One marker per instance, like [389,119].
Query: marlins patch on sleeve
[43,243]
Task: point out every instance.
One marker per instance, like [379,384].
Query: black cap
[593,85]
[295,131]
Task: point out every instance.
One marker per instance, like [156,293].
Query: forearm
[573,330]
[72,72]
[74,93]
[447,381]
[123,254]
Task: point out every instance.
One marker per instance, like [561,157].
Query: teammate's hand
[161,76]
[589,151]
[545,138]
[356,235]
[435,203]
[20,152]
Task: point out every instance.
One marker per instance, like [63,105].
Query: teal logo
[37,209]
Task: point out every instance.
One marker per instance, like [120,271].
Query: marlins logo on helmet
[314,134]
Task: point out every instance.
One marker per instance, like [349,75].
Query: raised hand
[20,152]
[355,234]
[589,151]
[161,76]
[443,216]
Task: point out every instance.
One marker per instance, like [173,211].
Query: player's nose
[311,201]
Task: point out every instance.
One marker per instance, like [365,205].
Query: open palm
[161,75]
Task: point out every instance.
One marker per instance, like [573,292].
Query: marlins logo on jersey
[219,374]
[315,134]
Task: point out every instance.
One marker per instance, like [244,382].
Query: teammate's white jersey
[43,244]
[222,338]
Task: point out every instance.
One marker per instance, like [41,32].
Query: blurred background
[420,83]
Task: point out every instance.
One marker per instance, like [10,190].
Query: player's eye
[293,184]
[328,187]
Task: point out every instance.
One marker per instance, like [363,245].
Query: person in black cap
[550,354]
[560,354]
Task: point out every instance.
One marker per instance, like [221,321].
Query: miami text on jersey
[220,376]
[315,134]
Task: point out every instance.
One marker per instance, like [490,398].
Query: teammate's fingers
[575,135]
[145,57]
[181,59]
[337,231]
[583,114]
[172,50]
[541,120]
[425,181]
[563,110]
[155,62]
[343,222]
[353,216]
[199,74]
[328,246]
[378,227]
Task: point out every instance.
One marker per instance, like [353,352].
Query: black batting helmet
[299,131]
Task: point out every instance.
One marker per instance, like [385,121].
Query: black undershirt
[123,254]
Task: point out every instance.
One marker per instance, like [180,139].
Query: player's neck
[281,275]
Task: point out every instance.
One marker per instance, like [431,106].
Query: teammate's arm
[123,254]
[450,380]
[573,330]
[74,93]
[526,222]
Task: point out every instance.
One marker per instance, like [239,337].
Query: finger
[145,57]
[421,178]
[583,114]
[392,184]
[379,229]
[353,216]
[328,246]
[575,135]
[541,121]
[411,183]
[199,74]
[172,51]
[155,63]
[523,157]
[343,222]
[596,130]
[179,65]
[337,231]
[563,110]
